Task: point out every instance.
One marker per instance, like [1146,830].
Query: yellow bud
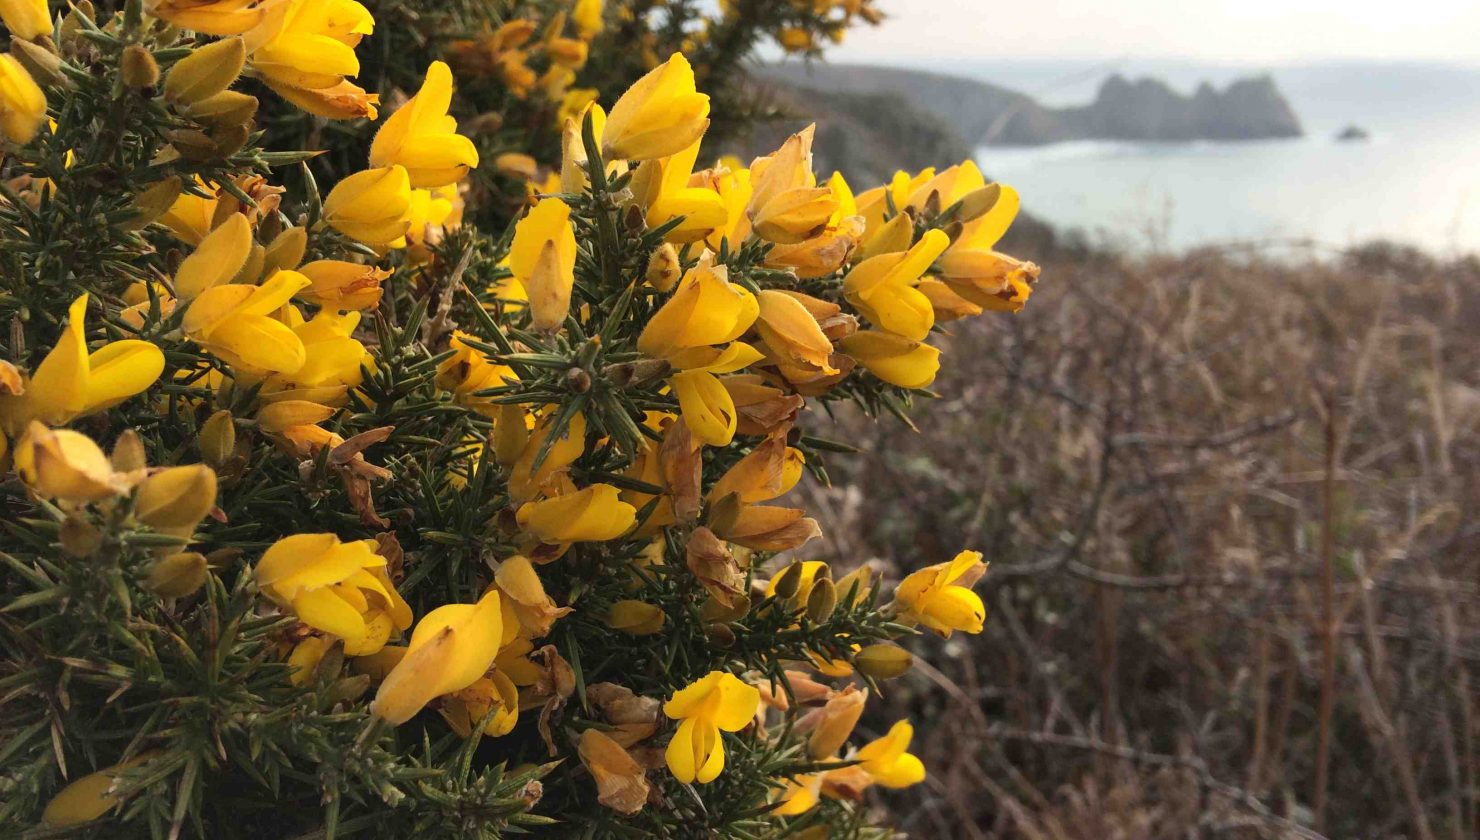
[79,537]
[28,19]
[176,498]
[71,24]
[286,250]
[154,201]
[638,618]
[822,601]
[884,661]
[217,440]
[229,107]
[138,67]
[128,452]
[205,72]
[663,268]
[177,575]
[790,581]
[89,797]
[44,65]
[979,202]
[510,435]
[277,417]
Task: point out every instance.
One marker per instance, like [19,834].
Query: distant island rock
[1353,134]
[1145,109]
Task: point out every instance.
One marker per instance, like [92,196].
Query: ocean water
[1416,181]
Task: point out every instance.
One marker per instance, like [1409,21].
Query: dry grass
[1163,458]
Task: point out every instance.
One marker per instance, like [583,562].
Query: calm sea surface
[1417,180]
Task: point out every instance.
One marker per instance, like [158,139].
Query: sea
[1415,181]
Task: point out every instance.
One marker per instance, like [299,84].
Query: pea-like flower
[67,465]
[308,44]
[883,288]
[661,114]
[212,17]
[372,206]
[940,597]
[337,587]
[542,258]
[716,702]
[26,19]
[893,358]
[234,322]
[71,382]
[422,137]
[592,514]
[451,648]
[887,760]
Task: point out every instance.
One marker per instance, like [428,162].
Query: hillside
[1146,109]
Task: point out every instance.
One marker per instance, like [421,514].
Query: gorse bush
[382,458]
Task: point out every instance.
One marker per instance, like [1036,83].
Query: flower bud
[89,797]
[177,575]
[226,108]
[286,251]
[663,268]
[637,618]
[72,23]
[822,601]
[720,635]
[217,439]
[79,537]
[128,452]
[176,498]
[833,723]
[205,72]
[853,587]
[789,582]
[884,661]
[63,464]
[978,202]
[154,201]
[44,65]
[138,67]
[28,19]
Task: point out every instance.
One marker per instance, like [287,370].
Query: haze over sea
[1416,181]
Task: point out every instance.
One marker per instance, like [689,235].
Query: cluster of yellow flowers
[764,287]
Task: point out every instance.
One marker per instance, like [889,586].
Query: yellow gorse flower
[308,44]
[372,206]
[72,382]
[336,587]
[662,186]
[334,361]
[940,597]
[660,115]
[543,260]
[717,702]
[22,103]
[451,648]
[26,19]
[883,289]
[592,514]
[887,761]
[422,137]
[893,358]
[66,465]
[212,17]
[235,323]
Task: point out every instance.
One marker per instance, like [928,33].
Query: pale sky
[1236,31]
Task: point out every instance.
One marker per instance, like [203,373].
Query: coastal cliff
[983,113]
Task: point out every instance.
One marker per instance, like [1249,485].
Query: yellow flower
[467,371]
[308,44]
[336,284]
[883,288]
[833,723]
[786,205]
[714,703]
[26,19]
[791,332]
[212,17]
[451,649]
[67,465]
[661,114]
[543,259]
[794,39]
[22,104]
[524,598]
[940,596]
[465,708]
[344,101]
[894,359]
[587,18]
[637,618]
[71,382]
[216,260]
[589,515]
[422,137]
[887,761]
[662,186]
[235,323]
[706,310]
[981,275]
[89,797]
[333,361]
[371,206]
[335,587]
[525,482]
[175,499]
